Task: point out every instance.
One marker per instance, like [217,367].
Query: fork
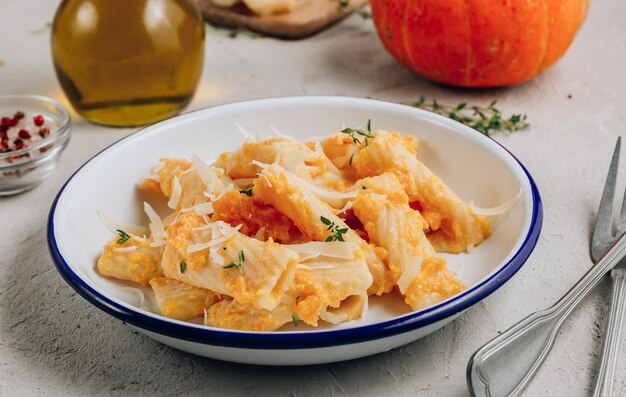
[601,240]
[505,365]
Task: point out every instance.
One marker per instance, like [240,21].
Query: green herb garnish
[247,191]
[336,234]
[238,265]
[351,158]
[124,237]
[484,119]
[343,4]
[355,133]
[183,266]
[295,319]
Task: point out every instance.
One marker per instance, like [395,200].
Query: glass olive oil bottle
[128,62]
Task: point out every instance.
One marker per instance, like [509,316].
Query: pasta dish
[282,231]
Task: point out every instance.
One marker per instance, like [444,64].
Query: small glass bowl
[24,169]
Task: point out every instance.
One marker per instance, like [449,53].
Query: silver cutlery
[602,238]
[505,365]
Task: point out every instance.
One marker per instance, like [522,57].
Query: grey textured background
[52,342]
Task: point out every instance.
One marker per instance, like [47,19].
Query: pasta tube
[454,226]
[217,257]
[180,300]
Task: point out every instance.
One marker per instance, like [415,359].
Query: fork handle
[506,364]
[610,347]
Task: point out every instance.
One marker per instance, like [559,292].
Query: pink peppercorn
[19,145]
[38,120]
[23,134]
[44,132]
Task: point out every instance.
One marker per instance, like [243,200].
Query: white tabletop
[52,342]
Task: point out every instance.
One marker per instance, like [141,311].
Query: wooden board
[309,16]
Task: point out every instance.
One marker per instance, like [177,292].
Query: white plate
[476,167]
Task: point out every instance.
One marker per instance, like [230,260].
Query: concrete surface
[52,342]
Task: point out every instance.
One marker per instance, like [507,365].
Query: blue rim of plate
[303,339]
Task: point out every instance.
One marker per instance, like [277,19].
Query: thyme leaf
[124,237]
[356,133]
[336,233]
[238,265]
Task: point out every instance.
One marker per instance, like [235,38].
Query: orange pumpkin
[478,43]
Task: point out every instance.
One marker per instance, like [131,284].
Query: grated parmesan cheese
[260,164]
[269,184]
[114,227]
[316,267]
[345,208]
[158,167]
[503,208]
[213,242]
[278,133]
[156,226]
[321,192]
[203,209]
[125,249]
[333,249]
[206,174]
[138,293]
[177,191]
[214,255]
[226,190]
[248,136]
[318,148]
[409,274]
[260,234]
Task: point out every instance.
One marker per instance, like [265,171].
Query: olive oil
[128,62]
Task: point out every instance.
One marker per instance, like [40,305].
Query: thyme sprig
[183,266]
[238,265]
[336,233]
[295,319]
[484,119]
[124,237]
[354,133]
